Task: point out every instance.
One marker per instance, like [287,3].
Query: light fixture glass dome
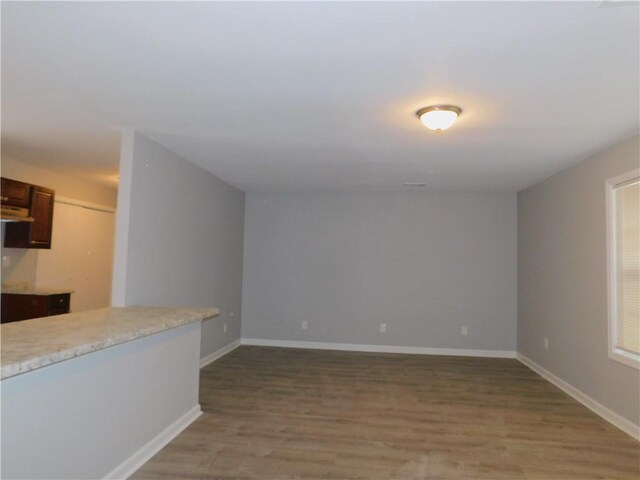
[438,117]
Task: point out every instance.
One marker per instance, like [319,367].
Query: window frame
[615,353]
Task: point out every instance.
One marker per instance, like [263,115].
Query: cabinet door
[59,303]
[14,193]
[36,234]
[42,213]
[23,307]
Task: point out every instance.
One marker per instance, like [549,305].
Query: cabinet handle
[4,199]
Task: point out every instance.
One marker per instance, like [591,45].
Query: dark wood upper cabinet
[42,213]
[15,194]
[36,234]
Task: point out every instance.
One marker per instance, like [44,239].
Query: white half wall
[179,238]
[94,415]
[424,264]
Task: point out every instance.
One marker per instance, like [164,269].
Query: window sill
[629,359]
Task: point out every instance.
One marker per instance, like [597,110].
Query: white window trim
[619,355]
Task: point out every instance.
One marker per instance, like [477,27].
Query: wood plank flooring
[276,413]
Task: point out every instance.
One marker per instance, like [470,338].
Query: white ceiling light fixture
[438,117]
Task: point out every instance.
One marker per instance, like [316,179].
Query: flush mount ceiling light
[438,117]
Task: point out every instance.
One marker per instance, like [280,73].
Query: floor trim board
[609,415]
[358,347]
[221,352]
[139,458]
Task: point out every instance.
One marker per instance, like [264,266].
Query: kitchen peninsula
[106,387]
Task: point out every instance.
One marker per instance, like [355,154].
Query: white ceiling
[322,95]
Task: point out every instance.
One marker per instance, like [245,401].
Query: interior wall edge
[181,235]
[123,215]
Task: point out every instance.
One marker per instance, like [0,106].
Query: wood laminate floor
[275,413]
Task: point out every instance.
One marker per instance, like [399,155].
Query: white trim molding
[123,221]
[617,354]
[221,352]
[358,347]
[609,415]
[139,458]
[81,203]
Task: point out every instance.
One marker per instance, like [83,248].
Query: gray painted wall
[185,238]
[562,281]
[425,264]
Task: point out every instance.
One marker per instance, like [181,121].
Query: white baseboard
[221,352]
[610,416]
[139,458]
[358,347]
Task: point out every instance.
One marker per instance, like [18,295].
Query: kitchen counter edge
[32,344]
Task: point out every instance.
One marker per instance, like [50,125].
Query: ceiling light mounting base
[432,108]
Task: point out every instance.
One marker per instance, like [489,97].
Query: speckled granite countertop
[28,289]
[31,344]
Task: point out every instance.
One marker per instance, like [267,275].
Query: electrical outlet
[383,328]
[224,328]
[546,343]
[231,314]
[464,331]
[6,261]
[305,324]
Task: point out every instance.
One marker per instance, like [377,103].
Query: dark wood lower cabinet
[23,307]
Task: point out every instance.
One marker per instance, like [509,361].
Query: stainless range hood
[14,214]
